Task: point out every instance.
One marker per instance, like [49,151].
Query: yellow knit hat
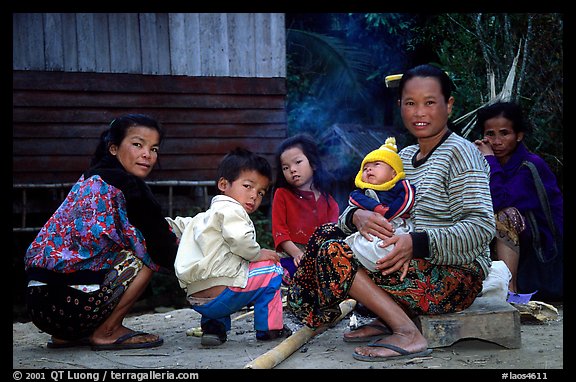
[387,153]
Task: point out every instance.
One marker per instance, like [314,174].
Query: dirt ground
[542,349]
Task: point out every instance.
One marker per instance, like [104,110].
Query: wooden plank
[224,116]
[178,59]
[120,60]
[19,43]
[263,130]
[50,163]
[47,176]
[217,145]
[53,146]
[85,146]
[195,162]
[241,44]
[72,176]
[214,45]
[158,175]
[168,161]
[263,45]
[196,131]
[132,83]
[193,53]
[163,37]
[497,322]
[133,43]
[85,35]
[28,37]
[278,45]
[69,42]
[190,174]
[27,98]
[102,42]
[53,50]
[149,42]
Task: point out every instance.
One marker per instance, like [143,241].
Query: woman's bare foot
[105,338]
[367,332]
[410,341]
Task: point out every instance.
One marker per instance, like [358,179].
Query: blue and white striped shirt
[453,204]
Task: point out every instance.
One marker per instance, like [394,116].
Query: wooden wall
[214,80]
[58,117]
[192,44]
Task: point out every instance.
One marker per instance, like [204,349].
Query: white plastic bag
[495,286]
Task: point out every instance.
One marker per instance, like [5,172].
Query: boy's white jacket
[215,246]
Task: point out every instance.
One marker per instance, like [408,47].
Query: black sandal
[209,339]
[213,333]
[268,335]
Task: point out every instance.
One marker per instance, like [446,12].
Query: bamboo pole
[276,355]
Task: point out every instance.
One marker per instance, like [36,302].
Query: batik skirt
[509,225]
[327,270]
[71,312]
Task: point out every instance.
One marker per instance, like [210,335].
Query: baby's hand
[268,254]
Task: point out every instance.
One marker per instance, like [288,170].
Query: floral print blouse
[87,231]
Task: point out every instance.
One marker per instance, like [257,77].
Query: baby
[381,187]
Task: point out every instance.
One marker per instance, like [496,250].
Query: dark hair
[427,70]
[321,179]
[116,132]
[239,160]
[509,110]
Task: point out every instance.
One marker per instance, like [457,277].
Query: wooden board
[497,322]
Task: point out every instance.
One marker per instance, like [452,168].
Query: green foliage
[395,24]
[263,226]
[468,46]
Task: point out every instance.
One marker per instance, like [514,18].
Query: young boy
[381,187]
[219,263]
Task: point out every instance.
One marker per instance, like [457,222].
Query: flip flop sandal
[120,343]
[384,331]
[402,353]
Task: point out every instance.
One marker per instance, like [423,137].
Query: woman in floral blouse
[95,256]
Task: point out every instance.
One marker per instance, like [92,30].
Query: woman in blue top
[97,253]
[529,251]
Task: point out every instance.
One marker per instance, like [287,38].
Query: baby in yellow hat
[381,187]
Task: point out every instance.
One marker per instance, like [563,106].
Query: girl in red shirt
[301,200]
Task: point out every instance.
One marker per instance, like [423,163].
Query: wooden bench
[486,319]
